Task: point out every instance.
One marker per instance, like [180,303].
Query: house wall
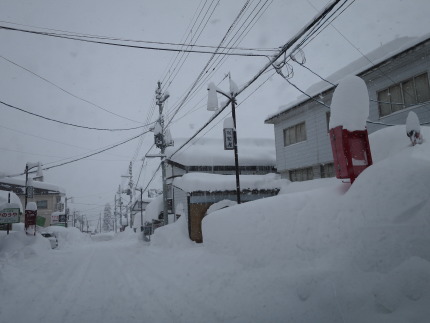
[43,212]
[316,150]
[394,71]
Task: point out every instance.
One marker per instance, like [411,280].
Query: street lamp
[213,106]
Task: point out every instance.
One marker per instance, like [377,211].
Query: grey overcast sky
[76,82]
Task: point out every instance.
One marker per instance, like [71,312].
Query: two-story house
[397,78]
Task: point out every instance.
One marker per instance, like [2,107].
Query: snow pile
[341,255]
[220,205]
[153,210]
[350,104]
[18,245]
[193,182]
[68,237]
[210,152]
[14,200]
[174,235]
[413,128]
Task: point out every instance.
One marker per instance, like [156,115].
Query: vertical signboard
[228,139]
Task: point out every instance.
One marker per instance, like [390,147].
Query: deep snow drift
[321,251]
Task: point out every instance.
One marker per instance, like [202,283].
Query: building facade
[397,78]
[49,198]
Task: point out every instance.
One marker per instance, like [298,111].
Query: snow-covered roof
[210,152]
[194,182]
[36,184]
[360,65]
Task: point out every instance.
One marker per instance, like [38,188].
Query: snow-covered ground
[321,251]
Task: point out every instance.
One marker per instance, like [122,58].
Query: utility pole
[162,142]
[120,208]
[213,106]
[114,216]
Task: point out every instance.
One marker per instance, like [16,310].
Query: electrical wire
[64,90]
[70,124]
[283,50]
[96,153]
[248,54]
[93,36]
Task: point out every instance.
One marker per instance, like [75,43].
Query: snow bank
[193,182]
[18,245]
[220,205]
[356,255]
[174,235]
[154,208]
[68,237]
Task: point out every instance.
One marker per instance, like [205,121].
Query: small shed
[194,193]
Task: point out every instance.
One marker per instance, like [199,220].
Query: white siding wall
[407,66]
[317,148]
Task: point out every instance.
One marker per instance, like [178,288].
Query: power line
[64,36]
[70,124]
[93,36]
[283,50]
[220,60]
[64,90]
[96,153]
[209,61]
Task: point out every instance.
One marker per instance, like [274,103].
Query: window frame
[41,204]
[295,134]
[387,106]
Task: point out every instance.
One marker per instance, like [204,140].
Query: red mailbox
[351,152]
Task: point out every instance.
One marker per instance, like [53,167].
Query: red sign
[30,218]
[351,152]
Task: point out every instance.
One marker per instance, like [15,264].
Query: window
[327,170]
[42,204]
[295,134]
[404,94]
[301,174]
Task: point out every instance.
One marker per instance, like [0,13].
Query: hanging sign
[30,190]
[228,139]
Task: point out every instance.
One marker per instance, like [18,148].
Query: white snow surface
[35,184]
[412,122]
[193,182]
[324,251]
[350,104]
[220,205]
[31,206]
[210,152]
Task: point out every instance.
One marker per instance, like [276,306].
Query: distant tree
[107,218]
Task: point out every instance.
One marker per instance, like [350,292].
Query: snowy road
[102,281]
[121,279]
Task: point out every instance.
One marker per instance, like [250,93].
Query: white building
[397,78]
